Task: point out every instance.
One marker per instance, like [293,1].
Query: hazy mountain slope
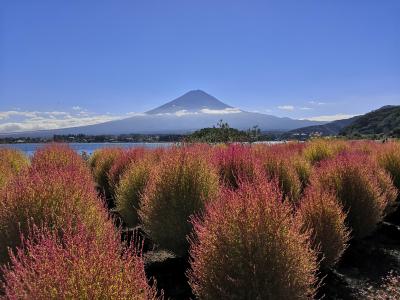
[385,120]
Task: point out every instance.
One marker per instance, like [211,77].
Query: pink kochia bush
[323,217]
[76,266]
[364,190]
[236,164]
[11,163]
[49,197]
[248,246]
[179,186]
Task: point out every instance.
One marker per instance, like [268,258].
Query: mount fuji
[194,110]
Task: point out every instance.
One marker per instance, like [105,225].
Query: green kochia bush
[358,184]
[76,266]
[130,189]
[101,163]
[248,246]
[179,186]
[122,163]
[319,150]
[389,159]
[323,217]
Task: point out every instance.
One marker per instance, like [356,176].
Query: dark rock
[389,230]
[169,273]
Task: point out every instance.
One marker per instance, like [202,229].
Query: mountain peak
[192,101]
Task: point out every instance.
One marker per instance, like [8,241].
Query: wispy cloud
[286,107]
[329,118]
[77,107]
[16,121]
[4,115]
[317,102]
[306,108]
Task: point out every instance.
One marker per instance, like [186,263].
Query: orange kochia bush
[248,246]
[361,186]
[11,163]
[74,265]
[323,217]
[278,163]
[179,186]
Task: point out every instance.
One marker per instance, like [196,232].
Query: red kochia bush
[236,164]
[76,266]
[178,187]
[322,216]
[11,163]
[248,246]
[364,190]
[50,198]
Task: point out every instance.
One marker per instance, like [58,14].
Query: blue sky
[65,63]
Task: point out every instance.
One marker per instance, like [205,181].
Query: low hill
[329,129]
[384,121]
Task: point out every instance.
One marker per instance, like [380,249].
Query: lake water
[89,148]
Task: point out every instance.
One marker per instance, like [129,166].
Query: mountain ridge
[192,101]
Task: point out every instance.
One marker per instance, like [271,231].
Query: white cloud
[286,107]
[184,112]
[329,118]
[77,107]
[305,108]
[229,110]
